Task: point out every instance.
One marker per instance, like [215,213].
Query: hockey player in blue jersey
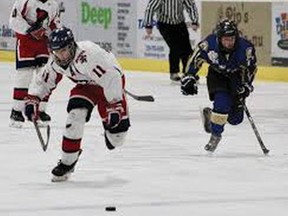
[231,71]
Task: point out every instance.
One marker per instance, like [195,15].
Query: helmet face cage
[227,28]
[60,38]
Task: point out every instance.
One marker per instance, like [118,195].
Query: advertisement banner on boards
[279,39]
[111,24]
[154,47]
[250,20]
[7,36]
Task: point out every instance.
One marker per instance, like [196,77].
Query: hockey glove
[189,85]
[114,112]
[32,107]
[242,93]
[244,90]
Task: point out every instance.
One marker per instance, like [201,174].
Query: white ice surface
[161,170]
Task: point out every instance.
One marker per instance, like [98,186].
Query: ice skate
[16,119]
[62,171]
[205,114]
[213,143]
[44,119]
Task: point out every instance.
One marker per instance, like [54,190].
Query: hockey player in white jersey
[32,21]
[99,81]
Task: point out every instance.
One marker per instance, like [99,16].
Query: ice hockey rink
[162,169]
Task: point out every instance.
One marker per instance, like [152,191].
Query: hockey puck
[110,208]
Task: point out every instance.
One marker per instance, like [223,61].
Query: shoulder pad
[249,52]
[204,45]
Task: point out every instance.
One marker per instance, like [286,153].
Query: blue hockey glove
[189,85]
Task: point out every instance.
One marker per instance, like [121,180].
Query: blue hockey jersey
[242,58]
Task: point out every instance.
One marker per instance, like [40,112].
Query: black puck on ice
[110,208]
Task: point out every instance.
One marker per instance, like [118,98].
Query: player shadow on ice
[228,155]
[107,182]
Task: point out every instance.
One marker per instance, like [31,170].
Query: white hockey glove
[32,107]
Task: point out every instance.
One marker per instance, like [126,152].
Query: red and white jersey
[27,12]
[91,65]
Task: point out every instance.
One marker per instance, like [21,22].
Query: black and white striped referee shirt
[170,11]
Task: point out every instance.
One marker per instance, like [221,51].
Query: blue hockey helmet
[227,28]
[59,39]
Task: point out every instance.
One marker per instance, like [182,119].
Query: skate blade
[60,178]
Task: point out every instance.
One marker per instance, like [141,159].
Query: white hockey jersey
[27,12]
[91,65]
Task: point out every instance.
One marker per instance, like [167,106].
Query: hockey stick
[146,98]
[44,144]
[263,147]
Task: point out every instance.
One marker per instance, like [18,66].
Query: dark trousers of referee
[177,38]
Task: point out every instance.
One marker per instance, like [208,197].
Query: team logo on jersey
[82,57]
[213,56]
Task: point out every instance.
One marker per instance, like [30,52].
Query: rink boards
[264,72]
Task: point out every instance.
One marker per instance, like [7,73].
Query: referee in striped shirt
[172,27]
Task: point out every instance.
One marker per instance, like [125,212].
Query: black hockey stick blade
[44,144]
[146,98]
[256,132]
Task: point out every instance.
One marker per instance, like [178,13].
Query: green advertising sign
[95,15]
